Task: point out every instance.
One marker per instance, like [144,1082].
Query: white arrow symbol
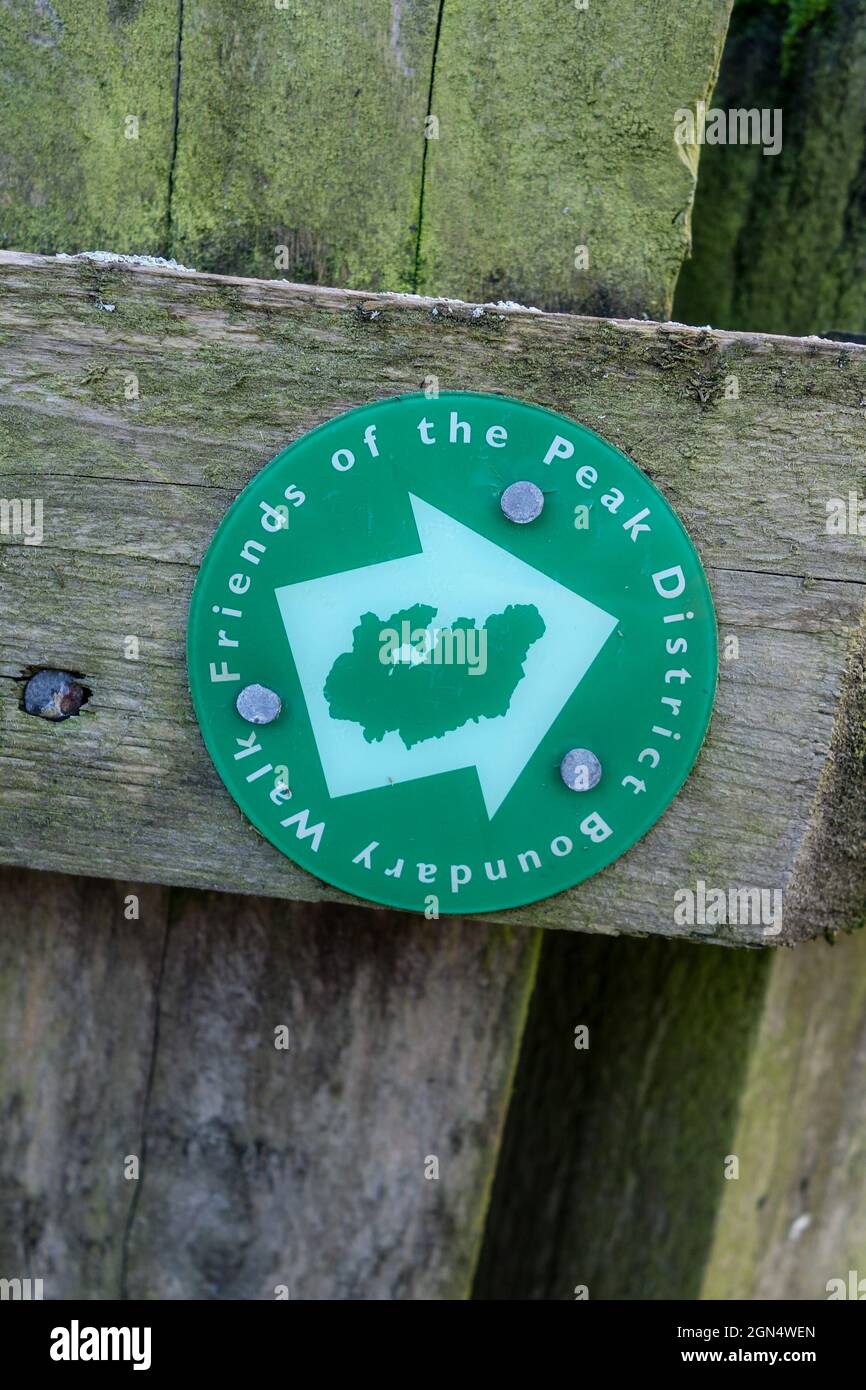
[465,576]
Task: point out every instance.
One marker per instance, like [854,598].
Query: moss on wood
[612,1169]
[87,113]
[779,241]
[555,133]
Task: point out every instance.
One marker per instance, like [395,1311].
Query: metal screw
[581,770]
[53,695]
[258,705]
[522,502]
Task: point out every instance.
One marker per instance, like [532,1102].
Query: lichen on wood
[87,113]
[554,178]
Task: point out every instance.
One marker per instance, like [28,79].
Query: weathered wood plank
[229,371]
[312,139]
[79,994]
[613,1162]
[87,114]
[258,1166]
[780,240]
[708,1142]
[796,1217]
[556,133]
[307,1167]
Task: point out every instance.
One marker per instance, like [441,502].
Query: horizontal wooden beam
[748,437]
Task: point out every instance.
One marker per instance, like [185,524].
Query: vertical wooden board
[795,1218]
[780,240]
[78,990]
[729,177]
[612,1167]
[154,1038]
[305,1167]
[73,73]
[302,127]
[556,131]
[713,1057]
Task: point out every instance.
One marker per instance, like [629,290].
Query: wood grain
[229,371]
[304,159]
[305,1166]
[796,1217]
[297,131]
[79,993]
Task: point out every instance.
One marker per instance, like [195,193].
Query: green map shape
[426,700]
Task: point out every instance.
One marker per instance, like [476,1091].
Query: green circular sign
[438,690]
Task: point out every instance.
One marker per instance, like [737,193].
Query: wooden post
[177,457]
[613,1164]
[213,1155]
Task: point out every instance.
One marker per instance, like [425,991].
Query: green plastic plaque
[452,654]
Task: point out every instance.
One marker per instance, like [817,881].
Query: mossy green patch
[87,109]
[779,240]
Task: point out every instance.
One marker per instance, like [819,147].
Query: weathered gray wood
[79,995]
[334,172]
[796,1217]
[259,1167]
[228,372]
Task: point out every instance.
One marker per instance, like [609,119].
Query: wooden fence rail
[749,437]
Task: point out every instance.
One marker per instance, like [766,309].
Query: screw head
[53,695]
[580,770]
[258,705]
[522,502]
